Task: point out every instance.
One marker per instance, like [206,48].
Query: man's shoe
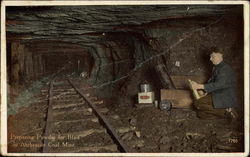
[231,113]
[234,114]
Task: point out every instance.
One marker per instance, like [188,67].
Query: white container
[156,103]
[145,88]
[146,97]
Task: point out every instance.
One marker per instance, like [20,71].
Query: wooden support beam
[17,65]
[29,70]
[165,78]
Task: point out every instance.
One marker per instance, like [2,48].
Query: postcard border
[68,3]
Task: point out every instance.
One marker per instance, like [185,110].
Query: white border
[69,3]
[246,76]
[3,84]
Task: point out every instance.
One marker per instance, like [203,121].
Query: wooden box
[179,98]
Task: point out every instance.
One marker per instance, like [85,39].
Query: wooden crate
[179,98]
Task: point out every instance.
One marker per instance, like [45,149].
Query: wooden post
[40,66]
[17,65]
[29,66]
[165,78]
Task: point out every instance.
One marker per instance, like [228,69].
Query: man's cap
[217,50]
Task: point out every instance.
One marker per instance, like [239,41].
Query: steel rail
[111,130]
[48,120]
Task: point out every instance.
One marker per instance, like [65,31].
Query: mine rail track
[74,119]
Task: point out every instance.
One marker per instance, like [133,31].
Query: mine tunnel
[114,78]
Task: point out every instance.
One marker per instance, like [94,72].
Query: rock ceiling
[87,24]
[121,39]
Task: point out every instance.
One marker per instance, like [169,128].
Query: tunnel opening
[38,59]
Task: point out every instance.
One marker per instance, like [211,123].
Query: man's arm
[223,80]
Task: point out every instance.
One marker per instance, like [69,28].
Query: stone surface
[113,42]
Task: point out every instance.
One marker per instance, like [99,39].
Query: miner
[219,98]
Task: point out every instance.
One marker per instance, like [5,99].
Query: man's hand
[196,85]
[201,92]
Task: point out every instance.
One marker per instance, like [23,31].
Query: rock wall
[112,59]
[187,47]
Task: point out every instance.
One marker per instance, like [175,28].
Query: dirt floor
[179,130]
[153,130]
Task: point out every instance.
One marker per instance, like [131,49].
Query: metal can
[166,105]
[156,103]
[145,88]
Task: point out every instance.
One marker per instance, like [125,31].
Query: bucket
[145,88]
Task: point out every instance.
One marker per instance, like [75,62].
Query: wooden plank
[84,111]
[65,96]
[179,98]
[181,81]
[60,93]
[110,129]
[122,130]
[59,90]
[66,105]
[92,119]
[68,101]
[97,102]
[137,143]
[86,132]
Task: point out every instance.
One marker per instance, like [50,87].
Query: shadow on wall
[153,79]
[205,59]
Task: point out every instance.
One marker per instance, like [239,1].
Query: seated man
[220,91]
